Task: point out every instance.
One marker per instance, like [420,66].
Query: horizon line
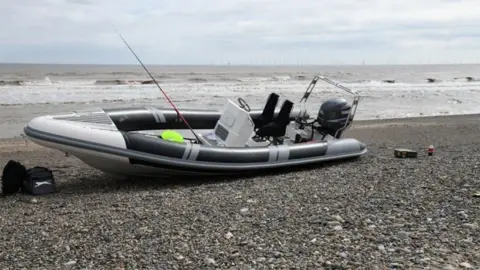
[234,65]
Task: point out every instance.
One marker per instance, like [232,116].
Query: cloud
[240,31]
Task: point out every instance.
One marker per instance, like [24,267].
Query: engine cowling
[333,115]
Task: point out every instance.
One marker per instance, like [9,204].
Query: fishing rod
[159,87]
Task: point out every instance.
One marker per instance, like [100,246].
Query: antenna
[159,87]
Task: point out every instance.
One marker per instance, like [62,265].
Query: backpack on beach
[39,181]
[12,177]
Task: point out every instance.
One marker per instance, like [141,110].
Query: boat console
[234,128]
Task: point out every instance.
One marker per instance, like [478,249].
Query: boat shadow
[103,183]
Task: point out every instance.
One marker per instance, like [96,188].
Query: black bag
[12,177]
[39,181]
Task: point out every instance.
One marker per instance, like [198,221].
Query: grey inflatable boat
[132,142]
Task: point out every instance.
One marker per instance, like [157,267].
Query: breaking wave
[211,79]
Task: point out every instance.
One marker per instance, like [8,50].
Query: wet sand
[376,212]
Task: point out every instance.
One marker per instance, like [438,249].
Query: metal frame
[306,95]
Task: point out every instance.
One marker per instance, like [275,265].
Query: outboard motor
[333,115]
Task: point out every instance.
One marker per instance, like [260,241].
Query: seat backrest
[277,127]
[268,110]
[283,117]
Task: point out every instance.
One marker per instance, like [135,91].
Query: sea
[387,91]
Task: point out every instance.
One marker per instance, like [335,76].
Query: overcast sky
[241,31]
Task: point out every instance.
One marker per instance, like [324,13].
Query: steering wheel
[243,104]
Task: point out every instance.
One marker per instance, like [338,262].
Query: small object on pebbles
[404,153]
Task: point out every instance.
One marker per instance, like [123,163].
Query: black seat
[277,127]
[268,111]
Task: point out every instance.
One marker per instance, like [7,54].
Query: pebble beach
[376,212]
